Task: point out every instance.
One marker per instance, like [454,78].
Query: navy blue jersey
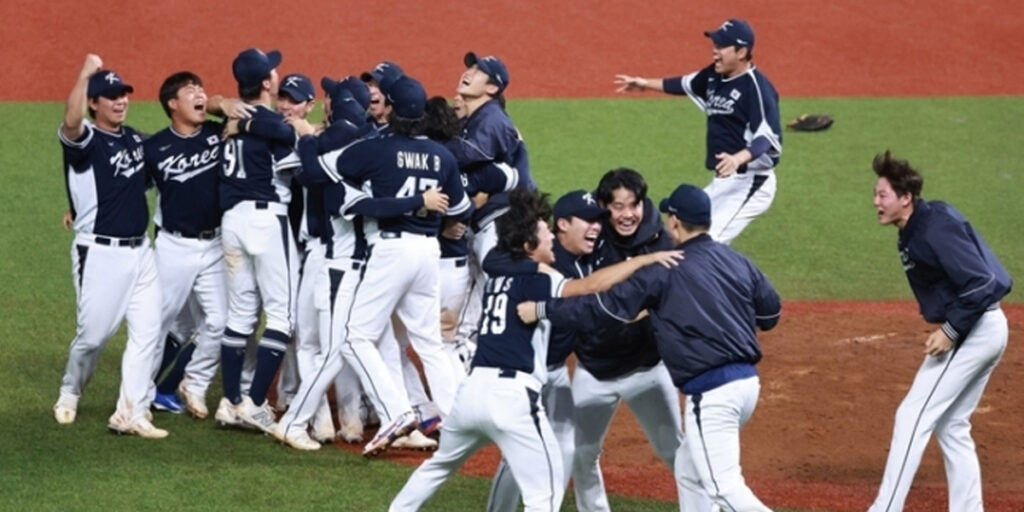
[952,271]
[256,168]
[743,113]
[504,341]
[185,170]
[488,136]
[398,166]
[704,312]
[604,354]
[105,183]
[564,338]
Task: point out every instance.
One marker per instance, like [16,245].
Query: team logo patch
[735,94]
[213,140]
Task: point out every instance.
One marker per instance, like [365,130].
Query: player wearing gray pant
[113,266]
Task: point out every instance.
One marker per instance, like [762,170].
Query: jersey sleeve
[272,130]
[491,178]
[975,283]
[767,305]
[77,150]
[619,305]
[386,207]
[763,120]
[694,85]
[458,200]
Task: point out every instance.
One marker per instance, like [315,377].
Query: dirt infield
[833,373]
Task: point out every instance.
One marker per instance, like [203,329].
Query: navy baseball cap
[385,71]
[298,87]
[251,66]
[356,89]
[733,32]
[689,204]
[490,65]
[407,96]
[578,203]
[108,84]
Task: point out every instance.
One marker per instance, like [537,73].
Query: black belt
[504,373]
[262,205]
[207,234]
[460,261]
[133,242]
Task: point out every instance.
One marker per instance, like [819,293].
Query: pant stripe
[534,398]
[755,185]
[502,468]
[917,422]
[348,320]
[83,251]
[335,278]
[707,459]
[286,245]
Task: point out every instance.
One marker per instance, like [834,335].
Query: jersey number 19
[493,319]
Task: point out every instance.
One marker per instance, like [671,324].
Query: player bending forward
[500,399]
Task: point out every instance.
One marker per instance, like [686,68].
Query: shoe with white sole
[296,437]
[400,426]
[226,415]
[351,432]
[194,403]
[168,402]
[66,409]
[141,427]
[260,417]
[415,441]
[323,426]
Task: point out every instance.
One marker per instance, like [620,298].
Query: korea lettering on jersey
[180,166]
[112,202]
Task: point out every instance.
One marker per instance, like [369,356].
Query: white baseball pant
[112,283]
[504,407]
[942,398]
[737,200]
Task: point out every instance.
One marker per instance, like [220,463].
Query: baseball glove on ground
[810,122]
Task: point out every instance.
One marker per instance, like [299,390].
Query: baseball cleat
[65,410]
[323,425]
[142,428]
[415,441]
[351,432]
[398,427]
[430,425]
[226,415]
[168,402]
[195,404]
[260,417]
[296,438]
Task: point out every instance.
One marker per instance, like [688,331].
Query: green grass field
[819,240]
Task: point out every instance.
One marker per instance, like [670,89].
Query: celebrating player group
[408,227]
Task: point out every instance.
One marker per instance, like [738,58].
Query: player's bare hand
[628,83]
[301,126]
[236,109]
[453,229]
[527,312]
[434,200]
[667,259]
[728,164]
[93,63]
[938,343]
[67,221]
[480,199]
[643,314]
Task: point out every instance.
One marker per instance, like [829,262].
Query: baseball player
[622,364]
[346,248]
[402,262]
[744,135]
[958,282]
[500,399]
[704,312]
[379,113]
[113,268]
[184,161]
[259,249]
[488,137]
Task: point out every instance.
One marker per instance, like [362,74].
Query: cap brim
[663,206]
[368,77]
[328,84]
[113,94]
[470,59]
[294,94]
[274,57]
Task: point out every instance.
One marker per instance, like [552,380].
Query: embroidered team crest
[735,94]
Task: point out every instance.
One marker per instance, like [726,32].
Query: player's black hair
[903,178]
[172,84]
[517,229]
[750,51]
[442,123]
[623,177]
[251,92]
[410,127]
